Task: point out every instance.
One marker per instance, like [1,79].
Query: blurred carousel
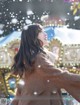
[67,58]
[8,81]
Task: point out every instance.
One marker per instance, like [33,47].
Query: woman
[43,82]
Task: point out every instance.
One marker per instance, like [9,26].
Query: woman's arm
[62,79]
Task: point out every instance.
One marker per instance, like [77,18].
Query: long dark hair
[29,47]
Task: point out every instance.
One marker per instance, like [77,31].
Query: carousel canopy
[9,38]
[64,35]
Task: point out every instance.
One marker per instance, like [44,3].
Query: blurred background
[15,14]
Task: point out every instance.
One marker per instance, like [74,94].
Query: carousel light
[12,82]
[74,67]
